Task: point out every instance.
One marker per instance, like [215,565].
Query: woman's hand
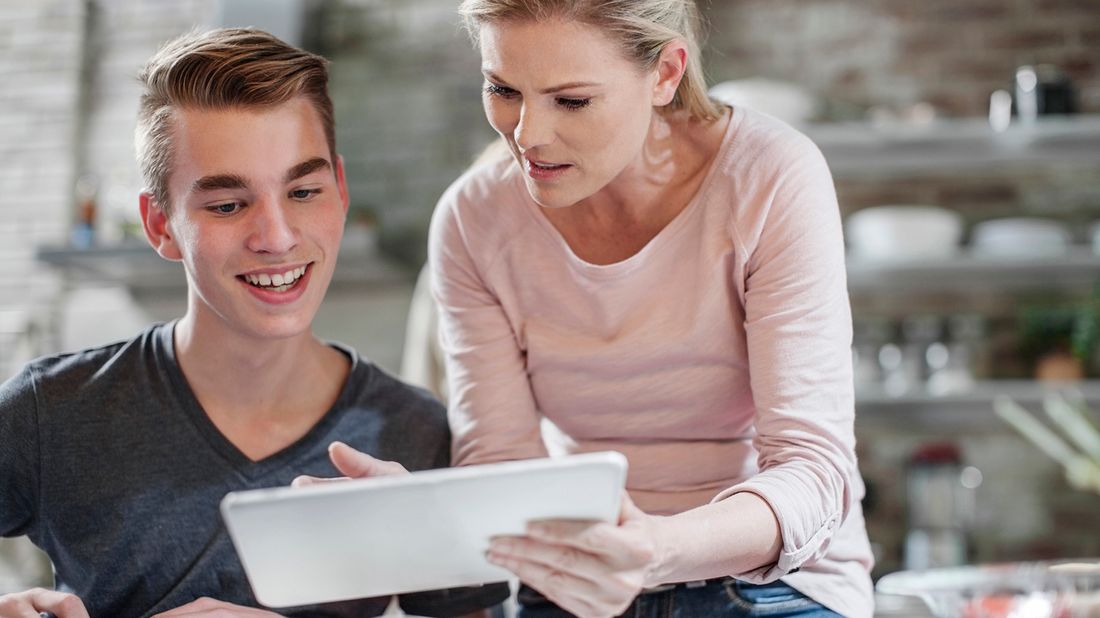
[212,608]
[589,569]
[36,601]
[352,464]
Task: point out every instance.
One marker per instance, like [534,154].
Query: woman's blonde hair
[221,69]
[641,27]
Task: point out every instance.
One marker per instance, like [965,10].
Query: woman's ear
[157,229]
[670,70]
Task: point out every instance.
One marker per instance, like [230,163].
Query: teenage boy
[114,460]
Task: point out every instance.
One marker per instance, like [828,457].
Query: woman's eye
[500,91]
[304,194]
[573,103]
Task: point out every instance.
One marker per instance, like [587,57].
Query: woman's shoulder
[769,167]
[486,202]
[769,142]
[489,180]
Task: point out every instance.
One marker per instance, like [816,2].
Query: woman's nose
[272,229]
[534,128]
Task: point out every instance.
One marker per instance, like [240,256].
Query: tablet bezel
[326,542]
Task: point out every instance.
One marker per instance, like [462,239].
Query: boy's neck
[262,394]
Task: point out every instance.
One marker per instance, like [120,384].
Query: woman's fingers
[621,547]
[578,595]
[588,568]
[584,583]
[563,559]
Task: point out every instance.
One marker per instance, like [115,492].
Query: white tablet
[421,531]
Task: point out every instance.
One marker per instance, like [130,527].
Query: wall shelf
[972,408]
[1079,269]
[954,146]
[136,266]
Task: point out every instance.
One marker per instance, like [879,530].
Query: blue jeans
[719,597]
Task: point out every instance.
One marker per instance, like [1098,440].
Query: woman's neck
[622,217]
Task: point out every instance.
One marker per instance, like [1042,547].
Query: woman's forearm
[731,536]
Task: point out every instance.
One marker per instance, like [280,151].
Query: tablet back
[420,531]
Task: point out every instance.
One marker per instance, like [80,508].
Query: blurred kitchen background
[964,136]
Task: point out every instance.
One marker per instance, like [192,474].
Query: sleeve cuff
[793,553]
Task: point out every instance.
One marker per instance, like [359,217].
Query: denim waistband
[699,583]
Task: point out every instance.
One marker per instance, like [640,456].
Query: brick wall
[67,111]
[951,53]
[123,35]
[40,65]
[406,86]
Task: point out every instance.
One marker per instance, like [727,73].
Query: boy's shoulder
[69,372]
[391,419]
[374,387]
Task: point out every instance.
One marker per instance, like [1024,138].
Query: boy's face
[258,209]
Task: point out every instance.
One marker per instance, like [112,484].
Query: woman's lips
[545,171]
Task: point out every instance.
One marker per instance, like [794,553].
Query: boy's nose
[272,229]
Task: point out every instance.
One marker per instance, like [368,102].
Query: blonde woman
[648,271]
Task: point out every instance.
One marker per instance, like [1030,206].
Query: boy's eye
[500,91]
[573,103]
[227,208]
[304,194]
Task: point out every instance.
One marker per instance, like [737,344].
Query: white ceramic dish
[1014,237]
[1055,589]
[786,101]
[903,232]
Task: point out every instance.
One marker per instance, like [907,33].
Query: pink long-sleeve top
[717,358]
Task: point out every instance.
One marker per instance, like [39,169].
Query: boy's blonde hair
[221,69]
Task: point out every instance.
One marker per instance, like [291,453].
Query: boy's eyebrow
[219,181]
[307,167]
[233,181]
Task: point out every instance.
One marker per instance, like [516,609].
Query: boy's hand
[352,464]
[212,608]
[36,601]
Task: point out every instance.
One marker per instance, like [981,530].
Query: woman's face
[574,110]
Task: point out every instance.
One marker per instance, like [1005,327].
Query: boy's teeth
[277,282]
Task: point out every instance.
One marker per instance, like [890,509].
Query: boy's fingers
[356,464]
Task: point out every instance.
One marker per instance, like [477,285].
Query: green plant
[1074,328]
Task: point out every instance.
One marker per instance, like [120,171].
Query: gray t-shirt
[110,465]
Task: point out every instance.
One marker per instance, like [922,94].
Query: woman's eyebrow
[551,90]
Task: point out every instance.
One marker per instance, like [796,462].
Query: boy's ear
[157,229]
[342,182]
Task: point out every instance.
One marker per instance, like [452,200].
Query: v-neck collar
[217,441]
